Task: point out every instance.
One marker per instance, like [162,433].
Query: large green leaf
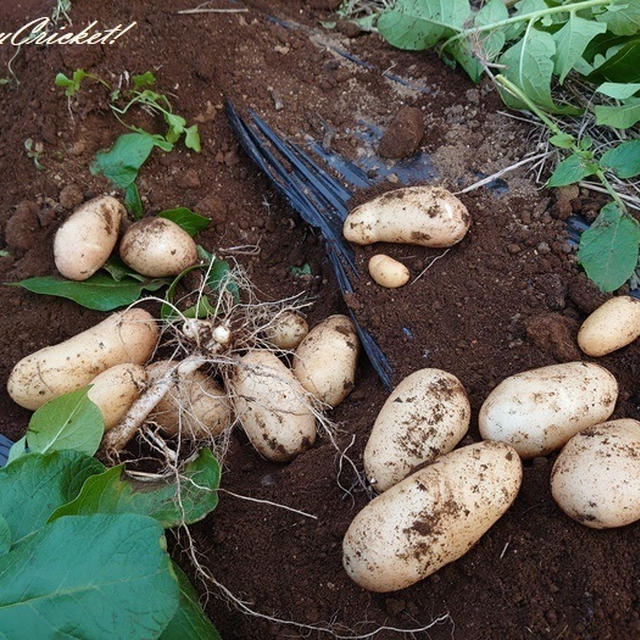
[91,577]
[166,501]
[5,535]
[572,169]
[36,484]
[571,41]
[624,159]
[622,17]
[186,219]
[620,64]
[619,117]
[492,41]
[619,90]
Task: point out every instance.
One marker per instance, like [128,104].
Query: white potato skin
[431,518]
[425,416]
[270,404]
[115,390]
[196,400]
[596,478]
[87,237]
[388,272]
[287,330]
[425,216]
[157,247]
[613,325]
[127,336]
[325,361]
[537,411]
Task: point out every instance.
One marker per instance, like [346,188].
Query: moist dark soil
[507,298]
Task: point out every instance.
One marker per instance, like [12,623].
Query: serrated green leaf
[99,576]
[572,169]
[624,159]
[619,90]
[191,222]
[622,17]
[71,85]
[619,117]
[176,127]
[5,535]
[562,140]
[142,80]
[608,249]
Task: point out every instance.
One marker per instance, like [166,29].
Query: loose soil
[507,298]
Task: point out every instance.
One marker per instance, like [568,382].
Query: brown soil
[507,298]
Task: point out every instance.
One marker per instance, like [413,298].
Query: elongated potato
[426,415]
[613,325]
[270,404]
[287,330]
[537,411]
[157,247]
[325,361]
[128,336]
[388,272]
[431,518]
[596,478]
[426,216]
[196,403]
[115,390]
[87,237]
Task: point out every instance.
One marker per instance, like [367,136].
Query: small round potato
[613,325]
[157,247]
[127,336]
[537,411]
[115,390]
[270,404]
[426,415]
[426,216]
[287,330]
[325,361]
[388,272]
[196,404]
[596,478]
[87,237]
[431,518]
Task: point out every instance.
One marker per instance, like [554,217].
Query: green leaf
[118,270]
[622,17]
[572,169]
[18,449]
[169,502]
[176,126]
[142,80]
[166,311]
[5,536]
[121,163]
[298,272]
[219,274]
[32,487]
[189,221]
[70,421]
[99,576]
[189,621]
[99,292]
[562,140]
[192,138]
[621,64]
[608,249]
[619,117]
[71,85]
[623,160]
[619,90]
[522,8]
[132,200]
[493,41]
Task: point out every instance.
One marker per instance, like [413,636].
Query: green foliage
[70,85]
[573,169]
[624,159]
[34,151]
[191,222]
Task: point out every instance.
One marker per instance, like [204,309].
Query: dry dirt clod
[403,136]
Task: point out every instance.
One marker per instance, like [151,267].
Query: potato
[195,399]
[115,390]
[87,237]
[537,411]
[287,330]
[596,478]
[388,272]
[426,415]
[431,518]
[325,361]
[127,336]
[270,404]
[157,247]
[613,325]
[426,216]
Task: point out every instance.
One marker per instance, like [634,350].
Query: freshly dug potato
[426,415]
[388,272]
[613,325]
[325,361]
[195,399]
[87,237]
[426,216]
[127,336]
[287,330]
[115,390]
[270,405]
[431,518]
[157,247]
[537,411]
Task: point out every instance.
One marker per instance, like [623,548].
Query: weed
[34,151]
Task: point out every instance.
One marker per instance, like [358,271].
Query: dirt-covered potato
[127,336]
[537,411]
[87,237]
[388,272]
[115,390]
[271,406]
[426,216]
[157,247]
[287,330]
[596,478]
[325,361]
[426,415]
[431,518]
[195,403]
[613,325]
